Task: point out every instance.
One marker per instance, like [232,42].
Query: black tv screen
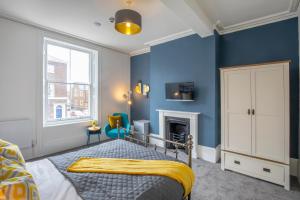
[180,91]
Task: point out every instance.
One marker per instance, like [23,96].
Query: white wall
[21,90]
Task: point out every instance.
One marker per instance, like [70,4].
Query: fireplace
[190,117]
[177,129]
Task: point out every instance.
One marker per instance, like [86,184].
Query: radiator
[19,132]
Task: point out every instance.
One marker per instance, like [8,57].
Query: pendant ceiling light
[128,22]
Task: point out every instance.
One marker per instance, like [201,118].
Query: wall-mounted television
[183,91]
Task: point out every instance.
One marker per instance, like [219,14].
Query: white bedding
[52,185]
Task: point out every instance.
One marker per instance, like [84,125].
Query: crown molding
[140,51]
[170,37]
[6,16]
[294,5]
[161,41]
[257,22]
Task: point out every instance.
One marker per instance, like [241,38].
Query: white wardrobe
[255,130]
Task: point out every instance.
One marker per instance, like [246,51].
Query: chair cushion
[113,121]
[11,152]
[113,133]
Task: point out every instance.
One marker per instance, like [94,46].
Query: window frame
[93,84]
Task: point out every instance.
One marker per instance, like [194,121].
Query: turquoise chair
[125,129]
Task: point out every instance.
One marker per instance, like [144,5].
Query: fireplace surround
[193,126]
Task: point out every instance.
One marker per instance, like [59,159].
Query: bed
[55,182]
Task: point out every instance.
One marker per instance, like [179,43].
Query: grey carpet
[214,184]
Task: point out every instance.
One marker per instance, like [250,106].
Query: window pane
[51,90]
[80,67]
[79,101]
[51,69]
[58,61]
[68,101]
[57,101]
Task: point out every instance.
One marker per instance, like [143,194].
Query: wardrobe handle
[237,162]
[267,170]
[249,112]
[253,112]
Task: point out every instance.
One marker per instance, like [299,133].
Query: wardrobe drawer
[271,171]
[239,163]
[258,168]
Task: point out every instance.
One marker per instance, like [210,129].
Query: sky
[79,62]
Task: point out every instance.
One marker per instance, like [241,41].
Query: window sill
[65,122]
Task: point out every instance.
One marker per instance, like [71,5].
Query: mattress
[54,182]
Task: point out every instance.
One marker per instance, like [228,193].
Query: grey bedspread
[96,186]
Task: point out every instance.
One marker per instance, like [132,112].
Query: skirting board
[155,141]
[294,167]
[63,144]
[209,154]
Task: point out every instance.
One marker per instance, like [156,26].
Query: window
[51,68]
[70,77]
[51,90]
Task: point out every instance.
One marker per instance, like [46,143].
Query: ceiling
[161,18]
[77,17]
[232,12]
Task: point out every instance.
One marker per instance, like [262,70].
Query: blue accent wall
[272,42]
[197,59]
[140,71]
[187,59]
[217,89]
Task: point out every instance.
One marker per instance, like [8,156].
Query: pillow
[4,143]
[10,169]
[11,152]
[113,121]
[16,182]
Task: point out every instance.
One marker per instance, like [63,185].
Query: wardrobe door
[237,105]
[268,117]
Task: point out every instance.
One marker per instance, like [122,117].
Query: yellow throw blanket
[175,170]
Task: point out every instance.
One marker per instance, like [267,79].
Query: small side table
[93,131]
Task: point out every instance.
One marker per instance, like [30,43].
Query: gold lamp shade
[128,22]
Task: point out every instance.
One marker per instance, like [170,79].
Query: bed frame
[146,142]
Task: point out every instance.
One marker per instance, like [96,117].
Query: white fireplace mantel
[192,116]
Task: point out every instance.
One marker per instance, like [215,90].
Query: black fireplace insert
[177,129]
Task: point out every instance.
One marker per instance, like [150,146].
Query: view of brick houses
[65,99]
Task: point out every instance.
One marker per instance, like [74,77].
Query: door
[268,121]
[237,107]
